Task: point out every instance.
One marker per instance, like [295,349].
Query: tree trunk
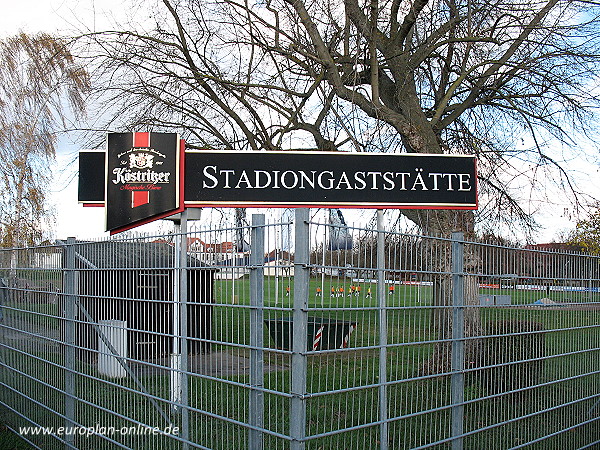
[441,223]
[441,323]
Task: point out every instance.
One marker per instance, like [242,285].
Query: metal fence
[196,340]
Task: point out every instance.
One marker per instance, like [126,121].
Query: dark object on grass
[322,333]
[511,358]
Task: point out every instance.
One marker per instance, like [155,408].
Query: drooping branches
[39,82]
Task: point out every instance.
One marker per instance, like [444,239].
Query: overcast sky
[56,15]
[63,16]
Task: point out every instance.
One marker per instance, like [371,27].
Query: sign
[143,181]
[142,178]
[92,177]
[330,179]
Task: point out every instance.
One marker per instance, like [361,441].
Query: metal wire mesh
[388,340]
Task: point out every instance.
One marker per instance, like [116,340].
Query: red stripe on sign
[139,198]
[181,199]
[141,139]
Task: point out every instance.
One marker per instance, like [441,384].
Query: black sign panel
[91,177]
[142,178]
[328,179]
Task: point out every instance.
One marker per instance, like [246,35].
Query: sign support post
[178,385]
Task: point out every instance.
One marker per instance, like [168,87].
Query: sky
[56,15]
[62,16]
[72,219]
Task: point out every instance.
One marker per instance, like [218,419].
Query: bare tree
[500,79]
[39,82]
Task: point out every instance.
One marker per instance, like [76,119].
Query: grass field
[343,386]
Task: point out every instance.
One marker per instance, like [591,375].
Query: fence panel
[535,381]
[299,334]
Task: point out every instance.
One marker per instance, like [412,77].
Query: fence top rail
[169,238]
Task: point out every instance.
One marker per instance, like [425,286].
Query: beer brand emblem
[142,172]
[140,161]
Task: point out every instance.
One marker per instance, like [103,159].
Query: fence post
[175,357]
[299,333]
[183,328]
[383,402]
[457,381]
[179,354]
[256,400]
[590,277]
[70,291]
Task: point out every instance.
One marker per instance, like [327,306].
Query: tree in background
[586,235]
[504,80]
[39,81]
